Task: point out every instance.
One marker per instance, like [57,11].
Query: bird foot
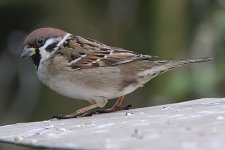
[113,109]
[73,115]
[83,112]
[90,113]
[58,117]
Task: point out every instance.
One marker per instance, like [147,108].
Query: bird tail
[163,66]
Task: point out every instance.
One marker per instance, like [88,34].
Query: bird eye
[40,42]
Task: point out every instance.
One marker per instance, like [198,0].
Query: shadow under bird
[83,68]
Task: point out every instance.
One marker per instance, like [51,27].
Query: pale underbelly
[80,89]
[83,92]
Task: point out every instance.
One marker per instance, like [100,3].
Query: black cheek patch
[51,47]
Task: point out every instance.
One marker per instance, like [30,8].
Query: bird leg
[116,107]
[79,113]
[86,111]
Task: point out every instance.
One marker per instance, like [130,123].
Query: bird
[83,68]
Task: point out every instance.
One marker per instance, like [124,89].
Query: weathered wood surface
[194,125]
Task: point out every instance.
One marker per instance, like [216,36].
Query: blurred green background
[170,29]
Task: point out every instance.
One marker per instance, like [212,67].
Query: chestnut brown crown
[44,33]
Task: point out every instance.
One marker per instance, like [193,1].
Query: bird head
[43,42]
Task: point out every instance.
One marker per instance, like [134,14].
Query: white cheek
[46,54]
[47,43]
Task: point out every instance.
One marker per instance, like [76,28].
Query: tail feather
[162,66]
[172,64]
[184,61]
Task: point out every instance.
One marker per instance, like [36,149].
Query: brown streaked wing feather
[100,58]
[96,54]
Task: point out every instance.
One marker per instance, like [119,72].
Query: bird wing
[88,53]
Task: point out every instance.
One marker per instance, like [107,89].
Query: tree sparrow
[83,68]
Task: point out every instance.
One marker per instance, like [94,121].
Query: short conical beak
[27,52]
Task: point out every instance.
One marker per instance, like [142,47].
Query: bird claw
[113,109]
[86,114]
[63,117]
